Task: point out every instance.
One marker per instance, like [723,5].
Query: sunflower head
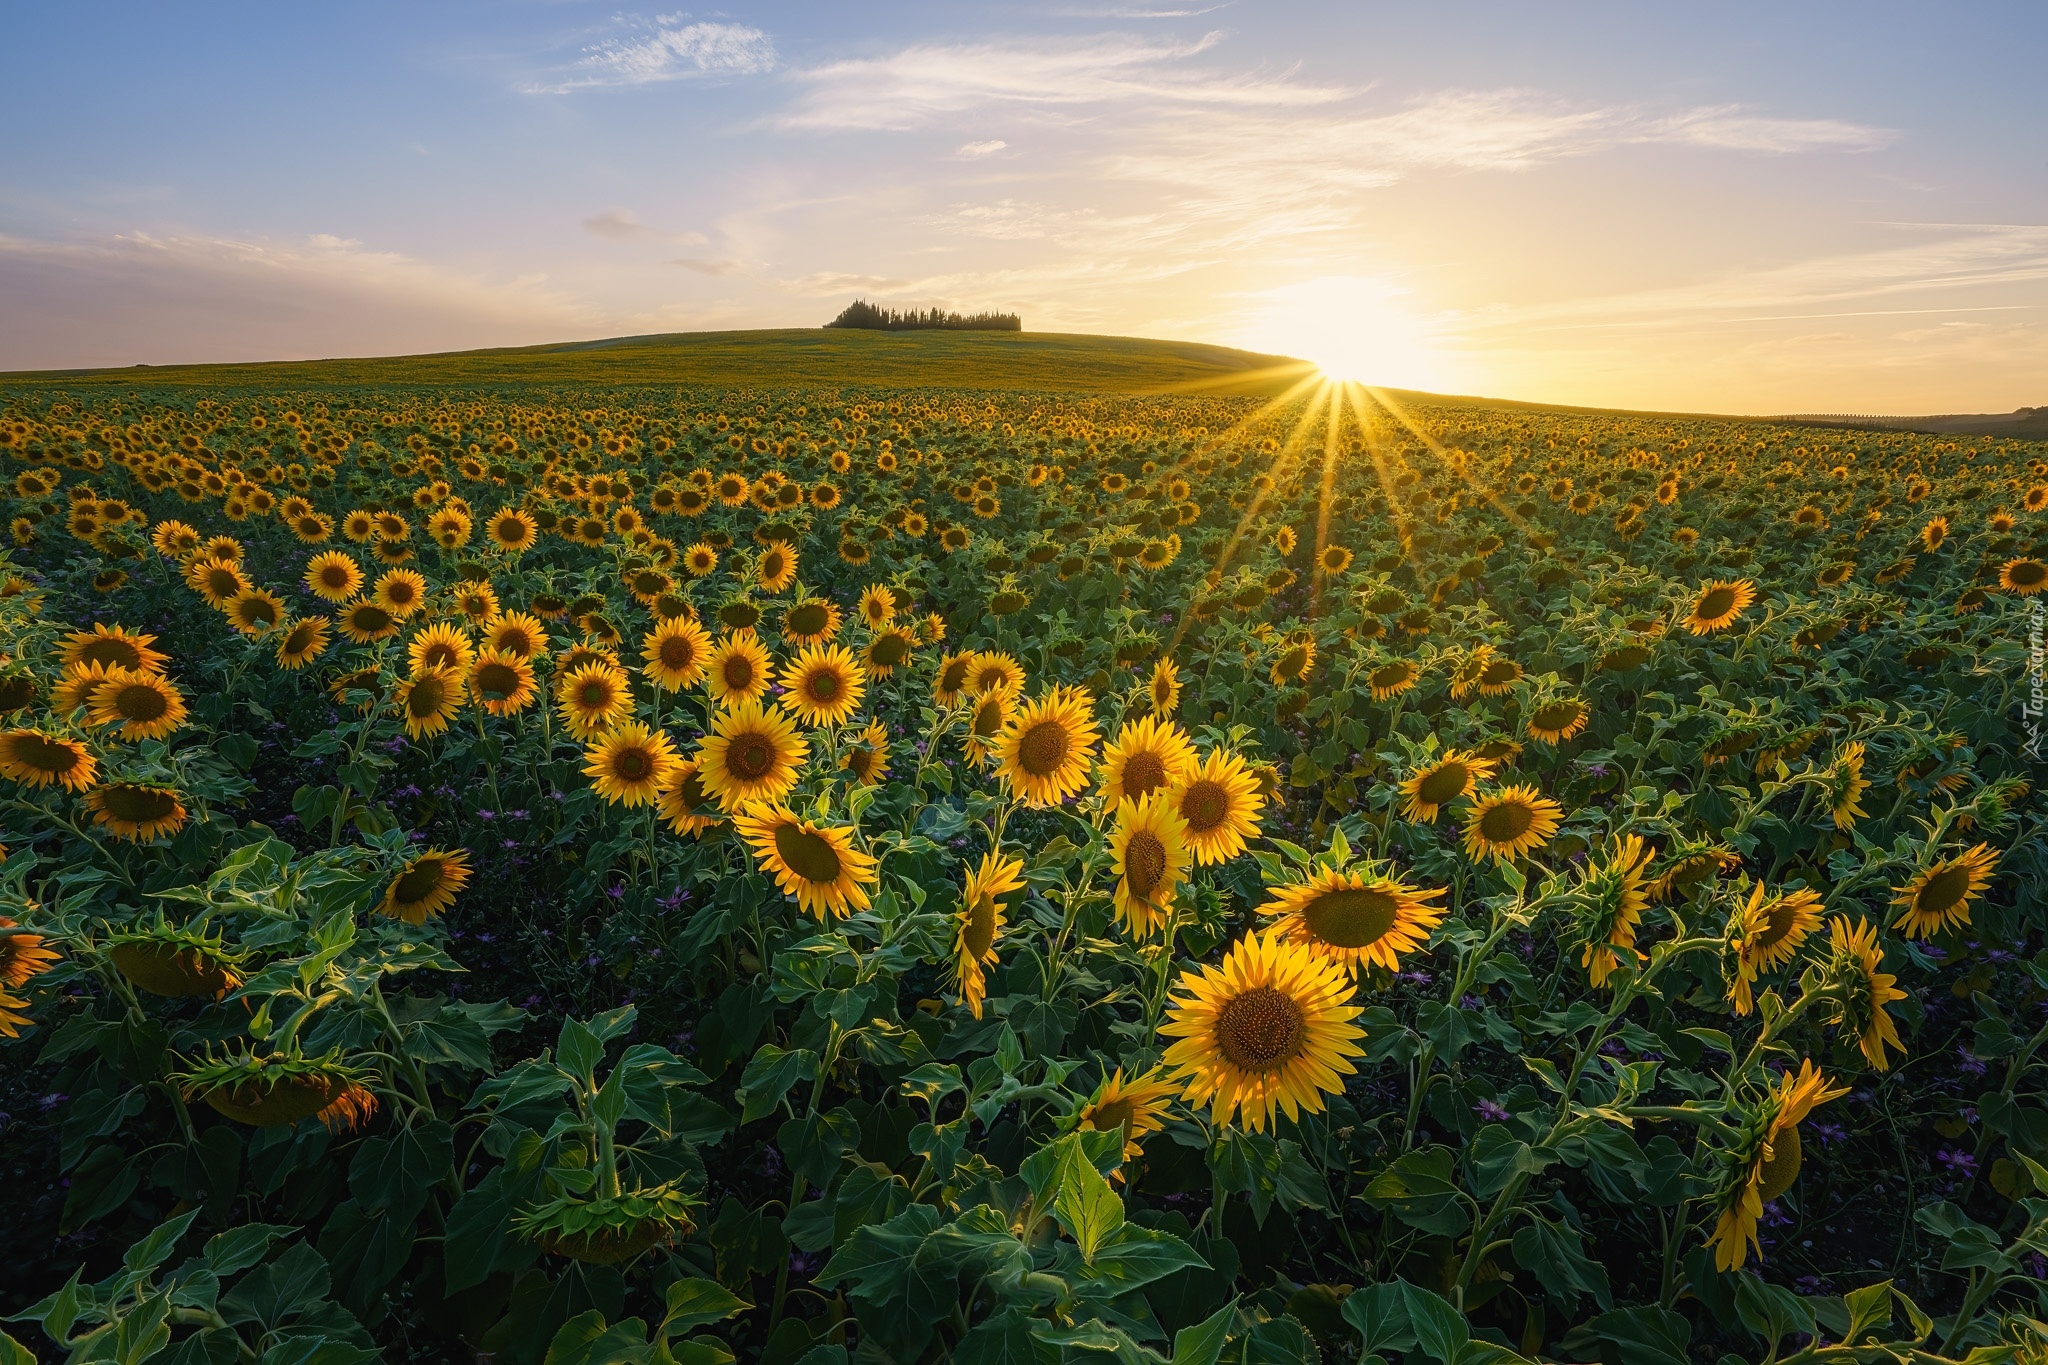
[1354,918]
[817,864]
[978,926]
[1044,754]
[426,885]
[1505,823]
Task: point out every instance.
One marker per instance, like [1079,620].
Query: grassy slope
[810,357]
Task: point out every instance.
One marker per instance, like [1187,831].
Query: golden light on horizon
[1353,327]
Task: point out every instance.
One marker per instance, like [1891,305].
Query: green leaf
[768,1077]
[1639,1336]
[586,1340]
[1869,1308]
[1005,1338]
[1772,1311]
[1280,1341]
[393,1174]
[1555,1253]
[13,1352]
[1440,1329]
[1380,1313]
[278,1290]
[875,1262]
[692,1303]
[158,1247]
[1087,1207]
[1131,1256]
[237,1249]
[1203,1343]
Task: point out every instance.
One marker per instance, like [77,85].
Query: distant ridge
[2023,424]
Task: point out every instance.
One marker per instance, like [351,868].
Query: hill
[787,357]
[2023,424]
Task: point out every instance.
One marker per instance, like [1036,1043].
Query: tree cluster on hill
[862,314]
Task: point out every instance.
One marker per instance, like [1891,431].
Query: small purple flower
[50,1101]
[483,814]
[508,843]
[1491,1111]
[1962,1163]
[617,891]
[1470,1002]
[1969,1062]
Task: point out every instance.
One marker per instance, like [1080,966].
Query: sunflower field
[575,876]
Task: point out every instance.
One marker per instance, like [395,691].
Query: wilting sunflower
[978,926]
[1355,919]
[113,646]
[867,755]
[304,642]
[1162,691]
[593,698]
[1507,823]
[1938,897]
[676,651]
[823,685]
[428,700]
[1612,899]
[1266,1029]
[1554,722]
[426,886]
[630,765]
[23,956]
[1136,1108]
[138,705]
[737,670]
[400,592]
[365,622]
[1390,680]
[1435,785]
[752,754]
[516,633]
[684,803]
[1766,1162]
[2023,577]
[1148,849]
[503,684]
[993,671]
[1765,933]
[1045,752]
[1219,802]
[1860,991]
[136,810]
[1149,755]
[441,645]
[1718,604]
[817,864]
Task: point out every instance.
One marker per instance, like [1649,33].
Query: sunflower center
[1717,603]
[824,687]
[1353,917]
[808,619]
[1446,783]
[1783,915]
[677,652]
[1506,822]
[2026,573]
[750,758]
[137,805]
[1144,864]
[810,856]
[1116,1113]
[418,882]
[889,650]
[978,933]
[44,754]
[1781,1167]
[1555,717]
[594,696]
[1293,663]
[426,697]
[1205,805]
[1044,748]
[860,763]
[633,765]
[497,680]
[1944,891]
[1260,1029]
[1144,772]
[439,655]
[141,702]
[372,618]
[738,673]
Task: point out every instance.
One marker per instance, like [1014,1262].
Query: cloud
[970,151]
[670,52]
[619,225]
[703,266]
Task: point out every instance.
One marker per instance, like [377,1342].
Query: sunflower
[140,705]
[303,642]
[1149,755]
[1554,722]
[867,755]
[1136,1108]
[23,956]
[174,539]
[1718,604]
[675,652]
[684,803]
[364,622]
[1765,933]
[978,926]
[1294,662]
[628,766]
[1766,1163]
[1612,900]
[994,671]
[2023,577]
[1861,991]
[1506,823]
[817,864]
[216,580]
[428,700]
[949,684]
[503,684]
[738,669]
[426,886]
[441,645]
[700,560]
[358,526]
[752,754]
[1435,785]
[1149,853]
[775,567]
[113,646]
[518,634]
[1355,919]
[593,698]
[877,607]
[1267,1028]
[512,530]
[1220,804]
[476,603]
[1845,785]
[1390,680]
[887,650]
[1045,752]
[1938,897]
[400,592]
[1162,691]
[992,711]
[136,810]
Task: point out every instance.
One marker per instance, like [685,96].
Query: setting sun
[1353,327]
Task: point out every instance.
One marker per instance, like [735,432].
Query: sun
[1353,328]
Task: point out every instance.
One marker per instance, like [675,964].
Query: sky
[1744,208]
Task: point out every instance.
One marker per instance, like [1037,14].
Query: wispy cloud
[619,225]
[667,50]
[970,151]
[705,266]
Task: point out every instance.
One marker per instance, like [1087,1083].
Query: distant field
[799,357]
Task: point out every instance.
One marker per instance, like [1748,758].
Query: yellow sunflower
[113,646]
[1845,787]
[516,633]
[1294,663]
[366,622]
[2023,577]
[441,645]
[512,530]
[1162,691]
[1435,785]
[1765,933]
[812,621]
[426,886]
[216,580]
[1860,990]
[630,765]
[994,671]
[1136,1108]
[823,685]
[991,713]
[1938,897]
[877,607]
[1148,848]
[1718,604]
[139,705]
[400,592]
[676,651]
[1045,752]
[23,956]
[254,611]
[304,642]
[428,701]
[1220,803]
[1268,1028]
[684,803]
[593,698]
[738,670]
[1554,722]
[949,684]
[752,754]
[867,755]
[978,926]
[1390,680]
[1508,822]
[503,684]
[1355,919]
[817,864]
[775,567]
[1768,1162]
[1149,755]
[887,650]
[1614,895]
[136,810]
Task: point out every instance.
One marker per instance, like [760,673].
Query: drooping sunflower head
[1220,803]
[428,700]
[1390,680]
[1554,722]
[1859,991]
[866,757]
[949,684]
[1149,755]
[1355,918]
[823,685]
[1044,754]
[817,864]
[1435,785]
[990,714]
[1136,1108]
[1938,897]
[1611,899]
[136,810]
[1766,932]
[23,955]
[427,885]
[978,927]
[629,765]
[1505,823]
[1764,1161]
[752,754]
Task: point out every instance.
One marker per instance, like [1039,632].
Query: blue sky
[1756,208]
